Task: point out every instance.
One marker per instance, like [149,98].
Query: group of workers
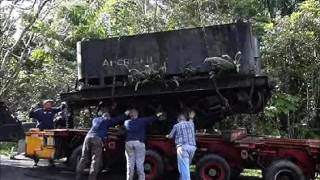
[92,151]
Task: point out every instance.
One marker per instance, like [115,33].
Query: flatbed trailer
[218,157]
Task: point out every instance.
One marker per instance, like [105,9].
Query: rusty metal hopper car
[214,70]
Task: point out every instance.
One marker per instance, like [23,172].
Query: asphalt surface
[22,169]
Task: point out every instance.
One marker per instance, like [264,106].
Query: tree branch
[27,28]
[17,70]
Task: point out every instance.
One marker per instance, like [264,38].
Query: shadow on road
[23,169]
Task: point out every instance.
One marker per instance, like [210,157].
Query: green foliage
[247,9]
[7,147]
[252,173]
[291,53]
[282,103]
[291,48]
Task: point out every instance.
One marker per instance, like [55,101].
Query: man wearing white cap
[46,114]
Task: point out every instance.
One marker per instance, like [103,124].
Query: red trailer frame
[218,157]
[224,157]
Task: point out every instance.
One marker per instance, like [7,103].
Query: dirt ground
[22,169]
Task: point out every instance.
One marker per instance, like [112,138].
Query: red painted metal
[260,151]
[239,149]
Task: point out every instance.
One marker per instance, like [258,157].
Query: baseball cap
[47,101]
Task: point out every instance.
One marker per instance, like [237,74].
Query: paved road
[23,169]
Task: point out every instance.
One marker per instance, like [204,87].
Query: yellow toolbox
[39,144]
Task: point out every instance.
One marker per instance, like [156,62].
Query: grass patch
[192,168]
[252,173]
[256,173]
[6,148]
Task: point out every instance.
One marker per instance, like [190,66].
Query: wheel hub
[212,172]
[147,166]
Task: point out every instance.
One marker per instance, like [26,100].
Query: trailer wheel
[284,170]
[75,157]
[213,167]
[153,165]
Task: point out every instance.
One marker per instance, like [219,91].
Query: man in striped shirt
[184,134]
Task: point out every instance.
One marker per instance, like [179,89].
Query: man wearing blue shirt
[92,148]
[46,114]
[184,134]
[135,150]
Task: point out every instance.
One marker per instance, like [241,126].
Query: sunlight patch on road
[252,173]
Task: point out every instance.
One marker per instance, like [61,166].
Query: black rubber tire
[207,160]
[293,171]
[156,163]
[263,173]
[75,157]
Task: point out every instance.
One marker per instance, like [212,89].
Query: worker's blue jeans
[184,155]
[135,155]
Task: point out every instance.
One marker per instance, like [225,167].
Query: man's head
[181,117]
[134,114]
[105,112]
[47,104]
[106,115]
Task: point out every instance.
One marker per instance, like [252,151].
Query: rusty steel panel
[172,50]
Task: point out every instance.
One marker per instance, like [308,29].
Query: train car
[214,70]
[171,51]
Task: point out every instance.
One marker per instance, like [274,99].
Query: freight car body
[171,50]
[171,71]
